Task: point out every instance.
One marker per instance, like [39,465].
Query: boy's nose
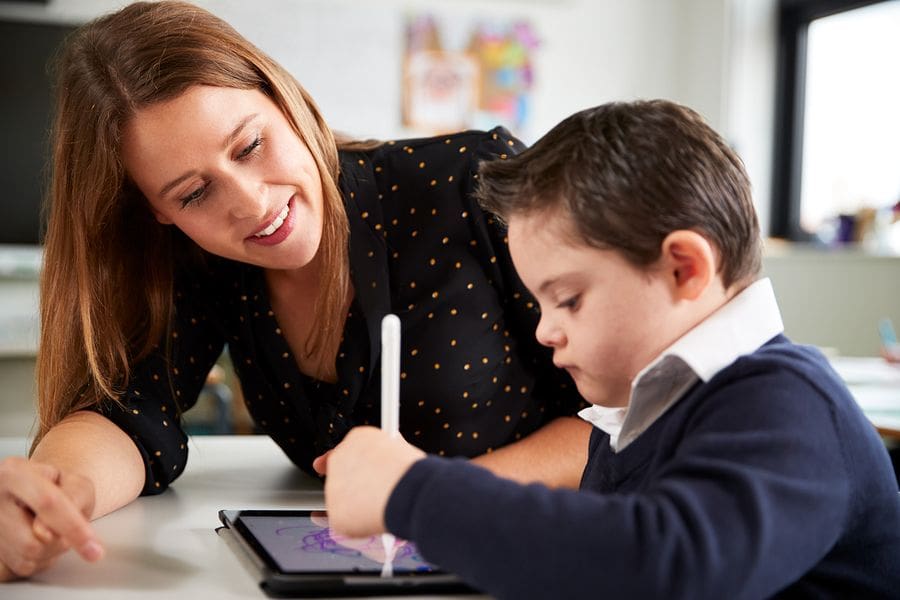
[548,334]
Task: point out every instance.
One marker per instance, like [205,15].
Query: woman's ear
[160,218]
[690,263]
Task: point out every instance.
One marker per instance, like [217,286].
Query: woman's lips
[276,231]
[276,222]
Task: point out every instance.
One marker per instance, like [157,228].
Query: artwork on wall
[467,74]
[440,90]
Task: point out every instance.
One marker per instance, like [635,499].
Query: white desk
[165,546]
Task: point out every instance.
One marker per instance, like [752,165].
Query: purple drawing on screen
[322,540]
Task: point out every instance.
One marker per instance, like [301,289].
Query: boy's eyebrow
[560,279]
[229,139]
[550,283]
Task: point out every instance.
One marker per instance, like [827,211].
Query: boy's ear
[690,263]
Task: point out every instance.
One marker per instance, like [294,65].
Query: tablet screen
[304,543]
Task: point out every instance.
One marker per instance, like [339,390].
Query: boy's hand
[362,472]
[320,464]
[43,513]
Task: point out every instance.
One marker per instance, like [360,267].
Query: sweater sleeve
[753,495]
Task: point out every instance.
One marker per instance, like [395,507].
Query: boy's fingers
[320,464]
[319,517]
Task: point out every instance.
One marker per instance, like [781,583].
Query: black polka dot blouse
[473,377]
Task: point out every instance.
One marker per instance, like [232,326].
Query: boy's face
[604,318]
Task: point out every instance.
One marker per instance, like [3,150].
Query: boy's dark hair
[630,173]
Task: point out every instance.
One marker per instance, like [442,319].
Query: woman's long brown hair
[107,280]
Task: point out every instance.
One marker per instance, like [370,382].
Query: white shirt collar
[740,327]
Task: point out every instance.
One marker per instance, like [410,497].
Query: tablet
[297,555]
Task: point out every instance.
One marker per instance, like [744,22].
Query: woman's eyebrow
[168,187]
[229,139]
[237,130]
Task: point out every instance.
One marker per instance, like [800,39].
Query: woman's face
[225,167]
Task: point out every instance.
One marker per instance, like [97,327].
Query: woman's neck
[293,296]
[307,277]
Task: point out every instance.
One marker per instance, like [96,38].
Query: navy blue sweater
[765,481]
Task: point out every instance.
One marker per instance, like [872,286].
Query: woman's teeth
[274,225]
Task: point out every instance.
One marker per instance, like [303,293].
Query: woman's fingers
[6,573]
[42,532]
[20,550]
[29,484]
[80,490]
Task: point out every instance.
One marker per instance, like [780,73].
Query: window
[837,115]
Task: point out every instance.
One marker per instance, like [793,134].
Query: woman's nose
[248,198]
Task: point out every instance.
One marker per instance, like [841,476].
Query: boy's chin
[600,395]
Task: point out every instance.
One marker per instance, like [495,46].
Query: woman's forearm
[90,445]
[554,455]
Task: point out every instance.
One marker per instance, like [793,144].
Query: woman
[198,199]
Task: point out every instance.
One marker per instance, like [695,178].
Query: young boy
[725,462]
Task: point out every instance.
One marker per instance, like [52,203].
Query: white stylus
[390,407]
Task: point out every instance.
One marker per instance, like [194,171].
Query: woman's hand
[362,472]
[43,513]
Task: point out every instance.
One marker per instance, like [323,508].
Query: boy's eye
[249,148]
[569,303]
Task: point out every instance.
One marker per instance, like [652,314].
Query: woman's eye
[194,196]
[250,148]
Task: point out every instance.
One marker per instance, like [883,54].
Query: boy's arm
[750,498]
[554,455]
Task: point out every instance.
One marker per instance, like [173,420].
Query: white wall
[348,53]
[835,299]
[749,120]
[716,56]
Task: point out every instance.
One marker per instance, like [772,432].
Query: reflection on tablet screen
[302,545]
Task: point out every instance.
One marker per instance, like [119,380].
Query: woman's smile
[278,229]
